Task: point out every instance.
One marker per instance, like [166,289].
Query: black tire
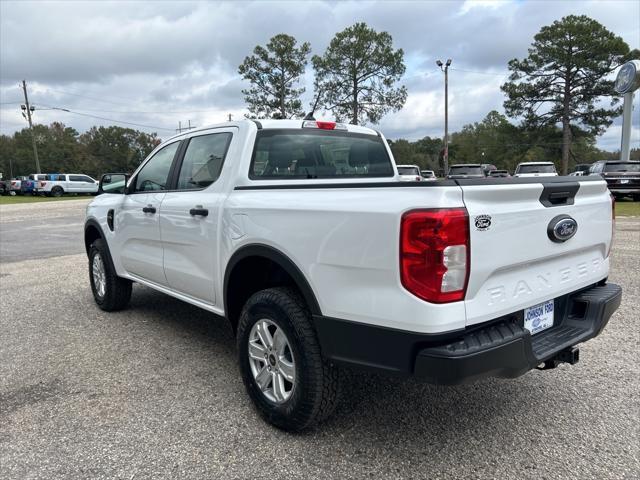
[57,191]
[117,291]
[315,391]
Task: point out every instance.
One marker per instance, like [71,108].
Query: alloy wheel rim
[271,361]
[99,276]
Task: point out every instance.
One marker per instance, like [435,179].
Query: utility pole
[230,115]
[30,109]
[180,128]
[446,113]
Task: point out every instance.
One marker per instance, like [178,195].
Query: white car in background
[428,175]
[67,183]
[536,169]
[409,173]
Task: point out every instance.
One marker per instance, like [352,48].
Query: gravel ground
[154,392]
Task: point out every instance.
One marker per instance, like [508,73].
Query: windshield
[537,168]
[466,170]
[622,167]
[306,154]
[408,171]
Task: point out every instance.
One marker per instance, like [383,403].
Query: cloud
[158,63]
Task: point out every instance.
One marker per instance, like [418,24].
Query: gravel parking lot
[154,392]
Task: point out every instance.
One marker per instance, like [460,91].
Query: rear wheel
[282,368]
[57,191]
[109,291]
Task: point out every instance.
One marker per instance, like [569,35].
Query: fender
[92,222]
[276,256]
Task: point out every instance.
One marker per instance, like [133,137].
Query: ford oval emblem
[562,228]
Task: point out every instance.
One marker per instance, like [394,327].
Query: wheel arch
[261,256]
[92,232]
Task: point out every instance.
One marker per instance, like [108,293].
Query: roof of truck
[274,124]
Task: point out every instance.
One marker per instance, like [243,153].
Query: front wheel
[282,368]
[109,291]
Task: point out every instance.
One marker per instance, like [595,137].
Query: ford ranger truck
[301,235]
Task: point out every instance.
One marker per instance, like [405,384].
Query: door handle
[202,212]
[149,209]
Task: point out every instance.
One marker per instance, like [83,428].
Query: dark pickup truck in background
[623,178]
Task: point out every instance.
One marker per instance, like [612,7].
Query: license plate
[539,317]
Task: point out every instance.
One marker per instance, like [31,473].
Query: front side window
[203,160]
[155,174]
[76,178]
[302,154]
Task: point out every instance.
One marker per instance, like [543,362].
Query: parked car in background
[583,167]
[623,178]
[15,185]
[577,173]
[466,170]
[428,175]
[409,173]
[499,173]
[536,169]
[5,187]
[487,168]
[61,183]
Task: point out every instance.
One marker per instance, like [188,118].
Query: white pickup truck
[58,184]
[302,236]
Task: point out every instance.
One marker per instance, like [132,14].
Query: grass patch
[627,208]
[19,199]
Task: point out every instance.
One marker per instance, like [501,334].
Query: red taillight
[434,254]
[326,125]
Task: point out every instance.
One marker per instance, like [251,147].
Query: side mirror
[115,183]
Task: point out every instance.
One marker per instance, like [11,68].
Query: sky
[155,64]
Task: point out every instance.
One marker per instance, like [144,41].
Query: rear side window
[203,160]
[301,154]
[79,178]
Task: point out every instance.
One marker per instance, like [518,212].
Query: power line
[109,119]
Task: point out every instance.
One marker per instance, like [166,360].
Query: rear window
[301,154]
[464,170]
[542,168]
[408,171]
[622,167]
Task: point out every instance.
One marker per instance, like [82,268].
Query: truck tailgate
[514,262]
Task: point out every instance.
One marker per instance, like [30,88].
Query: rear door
[190,215]
[516,259]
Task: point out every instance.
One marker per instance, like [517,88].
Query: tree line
[560,97]
[62,149]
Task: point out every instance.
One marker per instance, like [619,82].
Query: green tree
[116,149]
[273,73]
[564,77]
[356,76]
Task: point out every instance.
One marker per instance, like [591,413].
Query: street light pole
[33,137]
[445,156]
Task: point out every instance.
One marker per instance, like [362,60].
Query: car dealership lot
[154,391]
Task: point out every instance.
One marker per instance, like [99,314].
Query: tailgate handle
[554,195]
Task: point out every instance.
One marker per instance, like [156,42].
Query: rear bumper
[499,348]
